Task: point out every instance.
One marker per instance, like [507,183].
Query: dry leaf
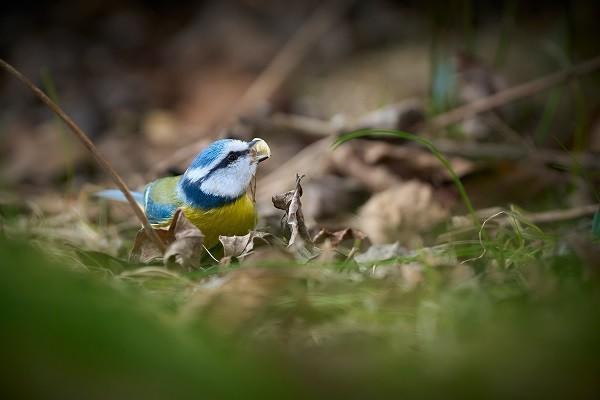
[186,248]
[144,250]
[291,204]
[378,165]
[345,242]
[349,160]
[241,246]
[337,237]
[183,239]
[401,213]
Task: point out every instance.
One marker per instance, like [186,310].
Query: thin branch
[543,217]
[92,149]
[511,94]
[475,151]
[498,151]
[562,215]
[274,75]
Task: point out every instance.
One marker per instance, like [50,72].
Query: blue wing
[160,199]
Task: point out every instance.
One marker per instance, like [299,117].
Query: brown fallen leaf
[241,246]
[337,237]
[349,160]
[344,243]
[144,250]
[401,213]
[186,248]
[183,239]
[378,165]
[291,204]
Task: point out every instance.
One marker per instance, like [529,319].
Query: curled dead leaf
[186,248]
[183,239]
[291,204]
[337,237]
[345,243]
[241,246]
[144,250]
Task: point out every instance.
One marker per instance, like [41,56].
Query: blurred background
[147,79]
[153,82]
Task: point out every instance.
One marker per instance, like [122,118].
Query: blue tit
[212,192]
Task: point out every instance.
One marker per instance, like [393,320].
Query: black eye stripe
[226,161]
[234,155]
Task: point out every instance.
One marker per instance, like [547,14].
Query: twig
[275,74]
[475,151]
[498,151]
[92,148]
[561,215]
[511,94]
[543,217]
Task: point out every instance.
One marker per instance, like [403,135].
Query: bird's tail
[117,195]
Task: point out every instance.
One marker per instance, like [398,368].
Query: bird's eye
[232,157]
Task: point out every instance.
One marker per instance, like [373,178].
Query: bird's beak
[260,149]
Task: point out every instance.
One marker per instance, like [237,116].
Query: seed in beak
[260,149]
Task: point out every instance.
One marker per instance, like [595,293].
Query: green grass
[518,320]
[505,309]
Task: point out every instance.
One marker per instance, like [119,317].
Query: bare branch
[511,94]
[92,149]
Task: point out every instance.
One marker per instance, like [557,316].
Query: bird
[212,192]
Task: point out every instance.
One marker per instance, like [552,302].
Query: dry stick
[498,151]
[484,151]
[275,74]
[540,217]
[543,217]
[562,215]
[92,148]
[322,128]
[512,94]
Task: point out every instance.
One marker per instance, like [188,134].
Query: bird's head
[223,170]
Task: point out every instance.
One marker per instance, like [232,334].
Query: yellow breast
[236,218]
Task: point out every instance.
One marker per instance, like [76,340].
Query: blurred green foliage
[525,329]
[67,335]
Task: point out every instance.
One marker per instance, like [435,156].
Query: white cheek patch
[195,174]
[231,181]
